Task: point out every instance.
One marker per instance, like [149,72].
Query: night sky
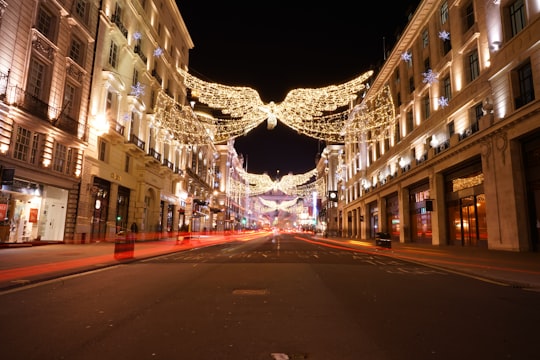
[286,45]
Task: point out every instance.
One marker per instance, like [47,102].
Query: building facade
[45,77]
[459,164]
[141,172]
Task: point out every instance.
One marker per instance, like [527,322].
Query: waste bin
[124,245]
[383,239]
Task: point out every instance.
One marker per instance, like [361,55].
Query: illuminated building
[45,76]
[461,165]
[137,170]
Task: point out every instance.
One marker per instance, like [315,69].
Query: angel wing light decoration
[300,109]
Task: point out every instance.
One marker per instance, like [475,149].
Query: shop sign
[33,216]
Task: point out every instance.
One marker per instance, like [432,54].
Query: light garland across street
[322,113]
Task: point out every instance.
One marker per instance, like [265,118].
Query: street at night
[275,296]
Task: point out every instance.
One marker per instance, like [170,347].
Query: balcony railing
[115,18]
[119,128]
[168,164]
[31,103]
[133,139]
[153,153]
[67,124]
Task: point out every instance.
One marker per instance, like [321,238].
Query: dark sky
[283,45]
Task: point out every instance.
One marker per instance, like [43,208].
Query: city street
[282,296]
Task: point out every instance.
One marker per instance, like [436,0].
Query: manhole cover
[250,292]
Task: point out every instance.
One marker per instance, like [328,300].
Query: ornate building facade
[460,164]
[46,61]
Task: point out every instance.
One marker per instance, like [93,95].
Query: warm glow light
[101,125]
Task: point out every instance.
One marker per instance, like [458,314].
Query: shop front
[32,212]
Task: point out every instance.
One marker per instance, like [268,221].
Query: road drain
[250,292]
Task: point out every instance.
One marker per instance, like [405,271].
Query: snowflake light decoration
[444,35]
[406,56]
[158,51]
[430,77]
[137,90]
[443,102]
[137,35]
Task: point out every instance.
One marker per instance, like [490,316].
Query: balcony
[32,104]
[116,136]
[153,157]
[67,124]
[115,19]
[168,163]
[135,145]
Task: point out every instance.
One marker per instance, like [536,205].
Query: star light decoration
[137,90]
[444,35]
[443,102]
[137,35]
[430,77]
[158,52]
[406,56]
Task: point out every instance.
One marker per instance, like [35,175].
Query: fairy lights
[306,110]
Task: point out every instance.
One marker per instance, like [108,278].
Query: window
[523,85]
[117,15]
[102,150]
[444,13]
[447,46]
[71,164]
[516,13]
[113,54]
[478,112]
[110,106]
[468,16]
[410,122]
[426,106]
[425,38]
[451,128]
[473,64]
[447,87]
[76,51]
[427,65]
[36,78]
[59,158]
[71,101]
[411,84]
[45,23]
[397,133]
[81,10]
[126,163]
[22,144]
[135,78]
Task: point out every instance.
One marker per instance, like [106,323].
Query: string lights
[321,113]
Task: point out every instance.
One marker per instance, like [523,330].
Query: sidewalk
[516,269]
[27,265]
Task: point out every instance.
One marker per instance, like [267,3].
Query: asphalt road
[276,297]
